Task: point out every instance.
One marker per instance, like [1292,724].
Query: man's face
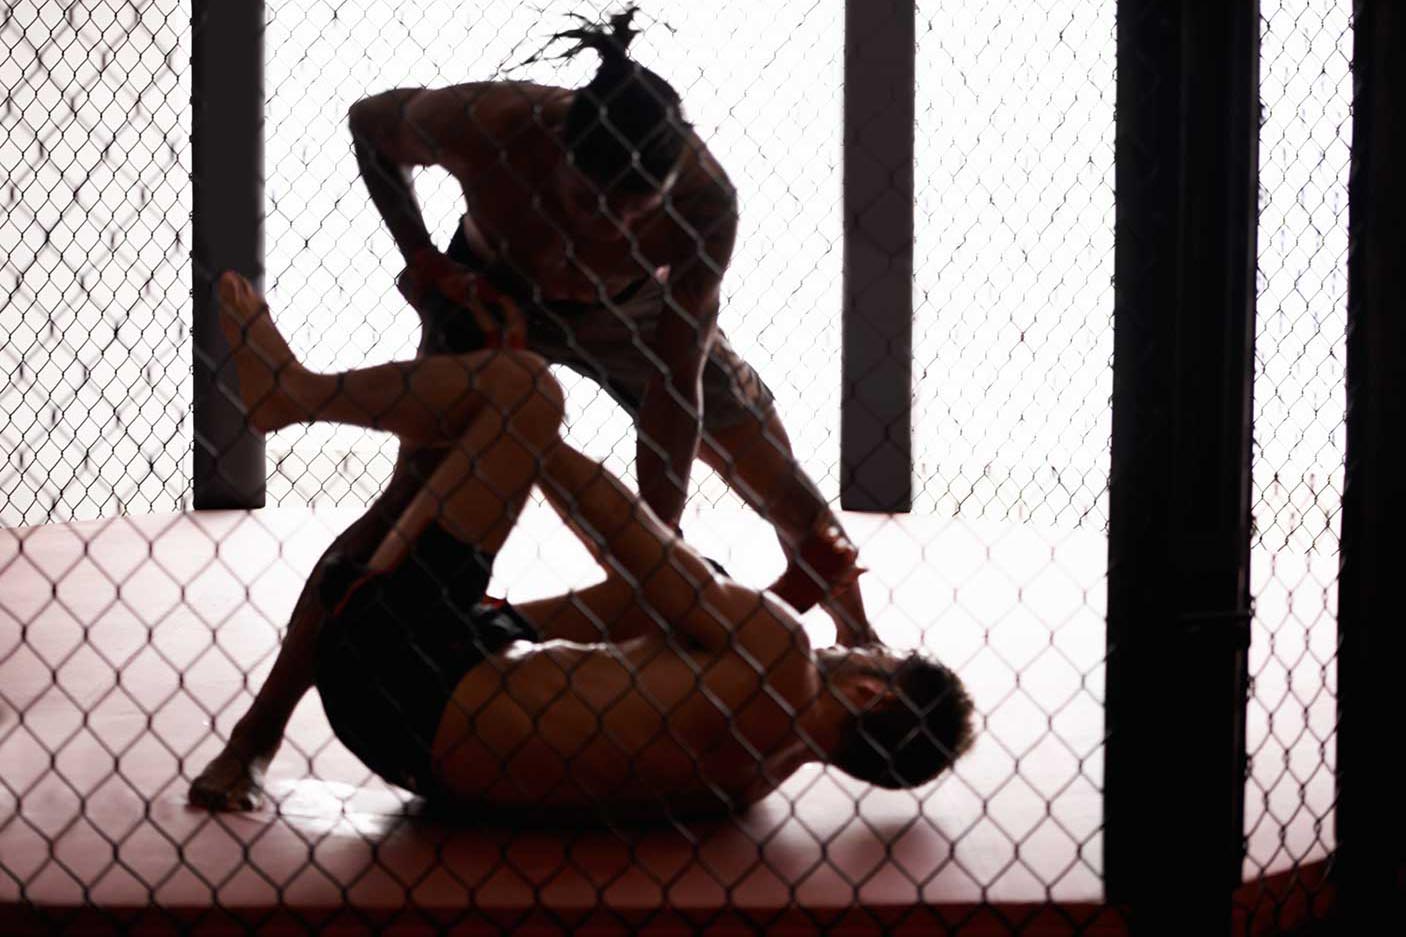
[604,215]
[848,666]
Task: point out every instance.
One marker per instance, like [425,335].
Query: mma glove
[496,313]
[825,563]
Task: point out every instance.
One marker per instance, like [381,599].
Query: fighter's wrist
[426,262]
[828,551]
[252,747]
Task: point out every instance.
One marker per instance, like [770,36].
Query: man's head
[624,131]
[907,717]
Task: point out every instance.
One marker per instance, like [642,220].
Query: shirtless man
[598,231]
[668,689]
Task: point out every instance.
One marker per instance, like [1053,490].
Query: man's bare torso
[504,158]
[634,726]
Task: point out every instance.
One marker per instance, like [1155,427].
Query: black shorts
[395,646]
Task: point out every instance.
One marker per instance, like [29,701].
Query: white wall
[1012,290]
[1300,406]
[94,232]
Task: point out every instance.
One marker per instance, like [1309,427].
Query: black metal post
[1371,809]
[877,366]
[1179,526]
[227,163]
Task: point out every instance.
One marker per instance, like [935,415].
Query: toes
[235,290]
[228,286]
[222,799]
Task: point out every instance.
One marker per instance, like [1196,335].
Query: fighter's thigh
[606,611]
[412,468]
[612,345]
[734,394]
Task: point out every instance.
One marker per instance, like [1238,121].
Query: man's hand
[825,570]
[232,781]
[496,314]
[846,609]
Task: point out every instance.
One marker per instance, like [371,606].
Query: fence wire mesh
[133,637]
[96,239]
[1300,409]
[1012,343]
[767,95]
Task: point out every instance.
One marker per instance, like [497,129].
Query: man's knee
[520,384]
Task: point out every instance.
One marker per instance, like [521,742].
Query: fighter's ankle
[256,742]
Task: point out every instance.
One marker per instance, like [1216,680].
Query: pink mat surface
[129,647]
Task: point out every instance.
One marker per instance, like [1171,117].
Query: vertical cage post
[1370,812]
[876,445]
[227,164]
[1179,503]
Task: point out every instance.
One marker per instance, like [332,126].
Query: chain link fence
[95,236]
[761,85]
[133,637]
[1012,343]
[1300,409]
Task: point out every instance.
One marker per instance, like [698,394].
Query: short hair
[912,733]
[624,129]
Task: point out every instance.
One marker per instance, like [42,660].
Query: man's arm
[671,582]
[392,133]
[234,779]
[396,131]
[670,420]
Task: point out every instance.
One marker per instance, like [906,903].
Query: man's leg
[442,403]
[743,440]
[426,402]
[233,780]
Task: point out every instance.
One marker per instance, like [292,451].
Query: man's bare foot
[269,375]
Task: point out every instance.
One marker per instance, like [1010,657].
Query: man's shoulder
[477,123]
[507,98]
[703,183]
[499,106]
[701,205]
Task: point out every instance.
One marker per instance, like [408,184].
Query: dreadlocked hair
[624,129]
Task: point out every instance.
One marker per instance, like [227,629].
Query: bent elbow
[363,116]
[357,124]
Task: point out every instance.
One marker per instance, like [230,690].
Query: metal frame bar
[1370,812]
[227,181]
[876,445]
[1179,526]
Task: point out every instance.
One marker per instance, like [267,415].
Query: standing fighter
[597,232]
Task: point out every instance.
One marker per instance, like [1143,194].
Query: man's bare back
[502,141]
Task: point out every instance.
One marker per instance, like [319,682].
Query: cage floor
[129,647]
